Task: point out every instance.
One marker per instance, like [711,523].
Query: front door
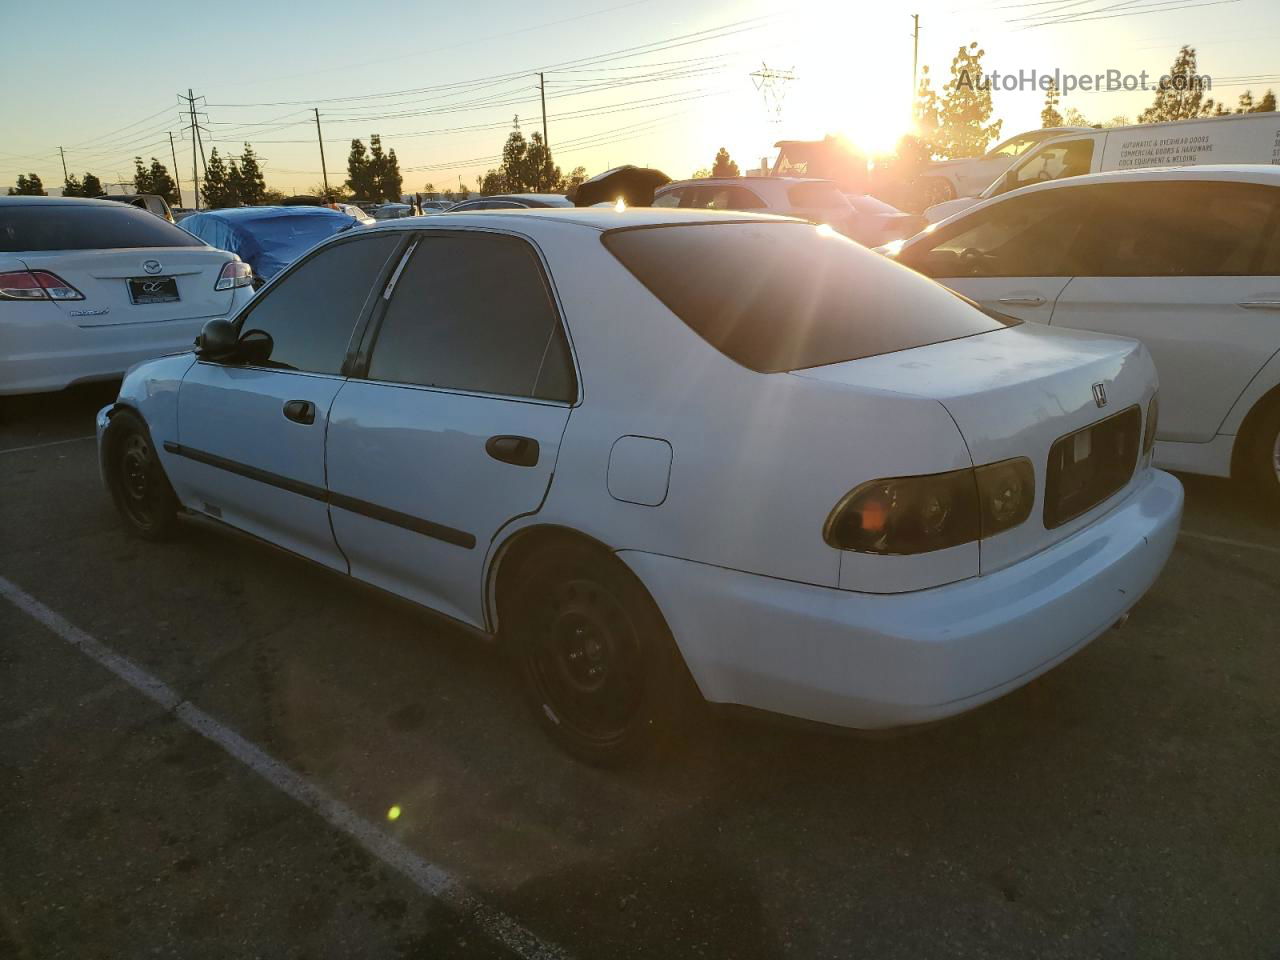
[453,429]
[1192,269]
[1013,257]
[251,438]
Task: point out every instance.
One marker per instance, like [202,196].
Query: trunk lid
[1017,392]
[103,277]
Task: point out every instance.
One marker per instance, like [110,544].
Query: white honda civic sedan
[660,450]
[90,287]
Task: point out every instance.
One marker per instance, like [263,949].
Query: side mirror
[217,340]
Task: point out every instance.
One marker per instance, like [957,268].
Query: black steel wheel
[137,481]
[599,666]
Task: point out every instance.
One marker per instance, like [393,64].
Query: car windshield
[786,296]
[76,226]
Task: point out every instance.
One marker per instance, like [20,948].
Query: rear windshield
[50,226]
[785,296]
[819,194]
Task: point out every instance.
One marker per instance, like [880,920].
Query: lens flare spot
[826,230]
[394,812]
[620,205]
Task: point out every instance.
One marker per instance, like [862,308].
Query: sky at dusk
[657,82]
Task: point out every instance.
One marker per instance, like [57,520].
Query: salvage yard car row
[894,506]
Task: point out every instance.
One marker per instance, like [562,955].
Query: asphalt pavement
[321,771]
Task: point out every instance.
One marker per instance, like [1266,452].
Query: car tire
[598,664]
[137,481]
[1262,463]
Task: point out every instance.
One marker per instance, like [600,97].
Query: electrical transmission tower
[772,85]
[193,115]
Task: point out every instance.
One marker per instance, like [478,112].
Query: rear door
[453,427]
[1192,269]
[1013,257]
[250,447]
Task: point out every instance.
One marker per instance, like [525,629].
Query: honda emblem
[1100,394]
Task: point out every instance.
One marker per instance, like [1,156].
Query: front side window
[1182,228]
[1025,236]
[1071,159]
[1014,148]
[669,199]
[474,312]
[777,296]
[312,312]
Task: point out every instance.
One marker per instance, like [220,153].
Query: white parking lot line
[51,443]
[432,880]
[1228,542]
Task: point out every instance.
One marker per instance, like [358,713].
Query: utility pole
[324,171]
[195,173]
[546,144]
[177,177]
[63,155]
[915,58]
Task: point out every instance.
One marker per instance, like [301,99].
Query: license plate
[153,289]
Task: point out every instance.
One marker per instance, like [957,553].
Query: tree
[91,186]
[723,166]
[361,177]
[702,173]
[1074,118]
[141,177]
[955,124]
[1049,116]
[575,179]
[216,189]
[28,186]
[252,186]
[1267,104]
[390,181]
[491,183]
[1180,97]
[71,186]
[334,194]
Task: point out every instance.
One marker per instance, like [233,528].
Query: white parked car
[89,287]
[1186,260]
[1236,138]
[671,444]
[863,218]
[944,180]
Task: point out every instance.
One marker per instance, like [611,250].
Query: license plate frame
[1089,465]
[150,290]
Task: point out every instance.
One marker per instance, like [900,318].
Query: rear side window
[473,312]
[669,199]
[77,226]
[1071,159]
[726,198]
[1181,228]
[785,296]
[819,194]
[312,312]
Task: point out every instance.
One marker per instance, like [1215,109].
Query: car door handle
[1260,304]
[521,451]
[300,411]
[1022,301]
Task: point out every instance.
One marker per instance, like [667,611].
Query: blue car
[267,238]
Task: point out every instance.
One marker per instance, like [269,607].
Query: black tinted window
[783,296]
[74,226]
[1031,235]
[1181,228]
[312,312]
[473,312]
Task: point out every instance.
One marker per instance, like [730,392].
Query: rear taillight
[235,273]
[907,515]
[1153,421]
[36,285]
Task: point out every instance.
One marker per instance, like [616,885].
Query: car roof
[245,214]
[594,218]
[1239,172]
[743,181]
[58,201]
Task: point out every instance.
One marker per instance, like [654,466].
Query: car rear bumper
[887,660]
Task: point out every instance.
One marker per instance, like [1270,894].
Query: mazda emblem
[152,266]
[1100,394]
